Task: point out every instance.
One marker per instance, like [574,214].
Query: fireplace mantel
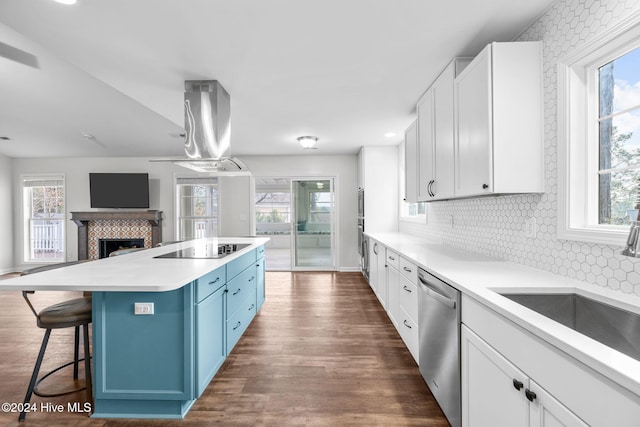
[82,220]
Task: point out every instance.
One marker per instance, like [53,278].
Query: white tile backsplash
[495,226]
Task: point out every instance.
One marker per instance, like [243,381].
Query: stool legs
[36,369]
[76,346]
[87,366]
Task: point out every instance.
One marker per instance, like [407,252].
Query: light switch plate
[143,308]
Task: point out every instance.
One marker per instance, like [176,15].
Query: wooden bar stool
[66,314]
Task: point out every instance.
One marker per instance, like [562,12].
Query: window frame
[178,213]
[26,218]
[578,122]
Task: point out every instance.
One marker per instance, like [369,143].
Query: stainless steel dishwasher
[439,327]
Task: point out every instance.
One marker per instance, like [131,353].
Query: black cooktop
[206,251]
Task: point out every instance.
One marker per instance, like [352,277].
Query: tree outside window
[619,136]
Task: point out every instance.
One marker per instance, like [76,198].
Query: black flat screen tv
[119,190]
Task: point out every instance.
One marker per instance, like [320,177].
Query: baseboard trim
[350,269]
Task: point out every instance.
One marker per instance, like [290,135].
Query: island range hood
[207,113]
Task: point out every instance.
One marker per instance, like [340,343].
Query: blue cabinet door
[210,338]
[261,295]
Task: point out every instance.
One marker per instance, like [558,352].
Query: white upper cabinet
[435,111]
[411,163]
[499,130]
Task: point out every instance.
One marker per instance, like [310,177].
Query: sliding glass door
[314,212]
[298,215]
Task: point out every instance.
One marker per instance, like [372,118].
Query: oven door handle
[433,293]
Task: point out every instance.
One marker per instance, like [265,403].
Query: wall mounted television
[119,190]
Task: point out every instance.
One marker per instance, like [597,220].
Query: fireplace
[106,246]
[115,225]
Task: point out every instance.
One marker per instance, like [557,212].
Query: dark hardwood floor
[322,351]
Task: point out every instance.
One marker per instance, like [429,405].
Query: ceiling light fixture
[65,1]
[390,134]
[308,142]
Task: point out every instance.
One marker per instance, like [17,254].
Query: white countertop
[134,272]
[479,276]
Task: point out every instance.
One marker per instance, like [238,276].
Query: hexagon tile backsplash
[495,225]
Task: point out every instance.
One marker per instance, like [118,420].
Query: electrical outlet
[530,228]
[143,308]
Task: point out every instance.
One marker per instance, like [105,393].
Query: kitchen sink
[609,325]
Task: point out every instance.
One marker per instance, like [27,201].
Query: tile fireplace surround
[96,225]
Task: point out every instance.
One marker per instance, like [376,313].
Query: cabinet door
[547,411]
[261,293]
[393,300]
[443,165]
[474,147]
[381,289]
[425,145]
[210,338]
[411,163]
[374,249]
[490,397]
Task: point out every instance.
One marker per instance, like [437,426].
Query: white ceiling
[345,71]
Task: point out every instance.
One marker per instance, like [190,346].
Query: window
[599,137]
[197,207]
[320,203]
[44,214]
[619,139]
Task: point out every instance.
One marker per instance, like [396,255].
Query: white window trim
[575,158]
[23,210]
[176,207]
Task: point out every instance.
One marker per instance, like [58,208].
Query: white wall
[345,169]
[6,216]
[495,225]
[76,171]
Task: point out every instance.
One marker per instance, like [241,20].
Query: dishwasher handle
[435,294]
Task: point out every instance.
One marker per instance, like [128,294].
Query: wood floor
[320,352]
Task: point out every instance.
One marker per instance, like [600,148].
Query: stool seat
[66,314]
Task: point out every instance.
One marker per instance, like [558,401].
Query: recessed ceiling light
[390,134]
[88,137]
[66,1]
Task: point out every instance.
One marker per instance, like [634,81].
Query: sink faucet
[633,241]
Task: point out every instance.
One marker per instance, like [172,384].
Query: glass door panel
[314,210]
[273,220]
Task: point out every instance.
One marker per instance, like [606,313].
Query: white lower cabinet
[496,393]
[557,389]
[393,294]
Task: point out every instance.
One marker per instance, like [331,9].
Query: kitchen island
[162,327]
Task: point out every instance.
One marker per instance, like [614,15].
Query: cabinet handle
[485,186]
[252,277]
[407,269]
[406,324]
[429,188]
[251,308]
[530,395]
[237,326]
[375,248]
[406,289]
[517,384]
[215,281]
[237,292]
[391,258]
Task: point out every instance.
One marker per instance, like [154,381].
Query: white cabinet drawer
[409,332]
[393,259]
[409,270]
[409,298]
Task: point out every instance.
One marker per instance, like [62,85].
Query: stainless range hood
[207,113]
